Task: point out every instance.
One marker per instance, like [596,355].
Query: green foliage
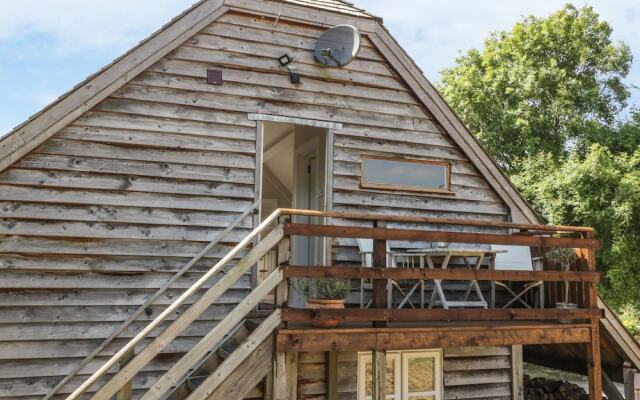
[324,288]
[630,317]
[545,86]
[545,100]
[600,189]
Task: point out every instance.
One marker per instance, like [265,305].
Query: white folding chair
[518,258]
[366,253]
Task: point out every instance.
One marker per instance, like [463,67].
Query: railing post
[380,295]
[283,256]
[126,392]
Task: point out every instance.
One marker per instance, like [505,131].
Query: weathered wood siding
[479,373]
[102,214]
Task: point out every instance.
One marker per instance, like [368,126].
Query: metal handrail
[151,299]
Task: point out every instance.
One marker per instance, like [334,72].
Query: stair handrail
[204,359]
[130,346]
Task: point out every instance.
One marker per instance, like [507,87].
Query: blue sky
[47,46]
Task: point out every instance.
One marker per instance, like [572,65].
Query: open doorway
[294,176]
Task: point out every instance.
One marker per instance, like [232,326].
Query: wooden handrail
[540,237]
[218,267]
[188,316]
[437,221]
[151,299]
[182,367]
[337,231]
[438,315]
[454,274]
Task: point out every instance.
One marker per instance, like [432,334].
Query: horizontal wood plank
[369,339]
[434,236]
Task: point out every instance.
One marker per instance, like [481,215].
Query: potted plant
[566,257]
[324,293]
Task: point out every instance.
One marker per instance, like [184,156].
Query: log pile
[549,389]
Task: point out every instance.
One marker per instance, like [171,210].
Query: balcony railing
[570,285]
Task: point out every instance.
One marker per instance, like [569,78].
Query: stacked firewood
[549,389]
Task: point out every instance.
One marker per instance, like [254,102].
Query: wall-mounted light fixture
[286,61]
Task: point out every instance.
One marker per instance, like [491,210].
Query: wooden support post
[285,376]
[268,386]
[126,392]
[631,382]
[332,376]
[594,361]
[379,366]
[517,372]
[379,261]
[284,251]
[593,347]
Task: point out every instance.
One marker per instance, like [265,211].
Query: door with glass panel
[411,375]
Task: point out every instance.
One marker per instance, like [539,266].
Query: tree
[550,84]
[599,189]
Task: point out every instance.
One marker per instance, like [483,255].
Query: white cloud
[74,26]
[435,31]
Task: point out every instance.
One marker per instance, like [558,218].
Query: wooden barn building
[160,222]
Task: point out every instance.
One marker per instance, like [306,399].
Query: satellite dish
[337,46]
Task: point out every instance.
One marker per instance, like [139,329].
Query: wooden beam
[214,336]
[126,392]
[248,375]
[285,378]
[517,372]
[379,365]
[379,263]
[435,236]
[594,362]
[451,335]
[237,357]
[431,315]
[594,358]
[458,274]
[332,376]
[436,221]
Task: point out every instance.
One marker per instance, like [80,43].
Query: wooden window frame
[401,376]
[406,188]
[363,357]
[437,373]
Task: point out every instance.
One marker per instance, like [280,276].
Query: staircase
[247,379]
[232,360]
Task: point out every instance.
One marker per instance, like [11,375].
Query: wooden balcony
[380,327]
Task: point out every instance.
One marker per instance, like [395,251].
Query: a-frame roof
[97,87]
[32,133]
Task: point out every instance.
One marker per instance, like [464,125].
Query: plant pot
[322,304]
[566,306]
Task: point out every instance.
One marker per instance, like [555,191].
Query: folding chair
[366,252]
[519,258]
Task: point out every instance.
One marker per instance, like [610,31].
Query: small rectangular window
[405,174]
